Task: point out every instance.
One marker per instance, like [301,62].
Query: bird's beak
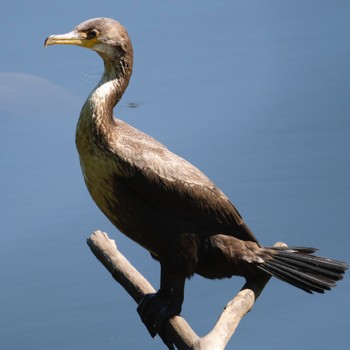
[71,38]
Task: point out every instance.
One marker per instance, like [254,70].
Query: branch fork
[178,330]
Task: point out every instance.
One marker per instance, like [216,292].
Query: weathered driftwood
[178,330]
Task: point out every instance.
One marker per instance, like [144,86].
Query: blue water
[255,93]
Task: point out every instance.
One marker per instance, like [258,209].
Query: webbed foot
[155,310]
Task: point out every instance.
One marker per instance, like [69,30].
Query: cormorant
[164,203]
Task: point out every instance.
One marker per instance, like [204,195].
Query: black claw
[155,311]
[169,344]
[147,318]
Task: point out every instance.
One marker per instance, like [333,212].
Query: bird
[163,202]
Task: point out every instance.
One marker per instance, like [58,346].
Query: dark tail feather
[299,267]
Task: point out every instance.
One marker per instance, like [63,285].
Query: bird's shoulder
[146,154]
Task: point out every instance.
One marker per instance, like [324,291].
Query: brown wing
[175,186]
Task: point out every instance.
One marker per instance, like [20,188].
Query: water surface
[254,93]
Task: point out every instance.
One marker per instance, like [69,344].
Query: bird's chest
[98,169]
[99,174]
[106,186]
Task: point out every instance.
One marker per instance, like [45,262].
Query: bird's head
[104,35]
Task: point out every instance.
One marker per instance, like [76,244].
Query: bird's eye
[92,34]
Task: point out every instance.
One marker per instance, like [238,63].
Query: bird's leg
[157,308]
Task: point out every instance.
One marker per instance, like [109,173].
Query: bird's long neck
[96,117]
[110,89]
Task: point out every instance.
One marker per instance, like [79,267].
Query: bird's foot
[155,310]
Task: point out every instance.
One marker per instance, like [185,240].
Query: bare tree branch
[178,330]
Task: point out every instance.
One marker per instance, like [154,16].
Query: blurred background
[254,93]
